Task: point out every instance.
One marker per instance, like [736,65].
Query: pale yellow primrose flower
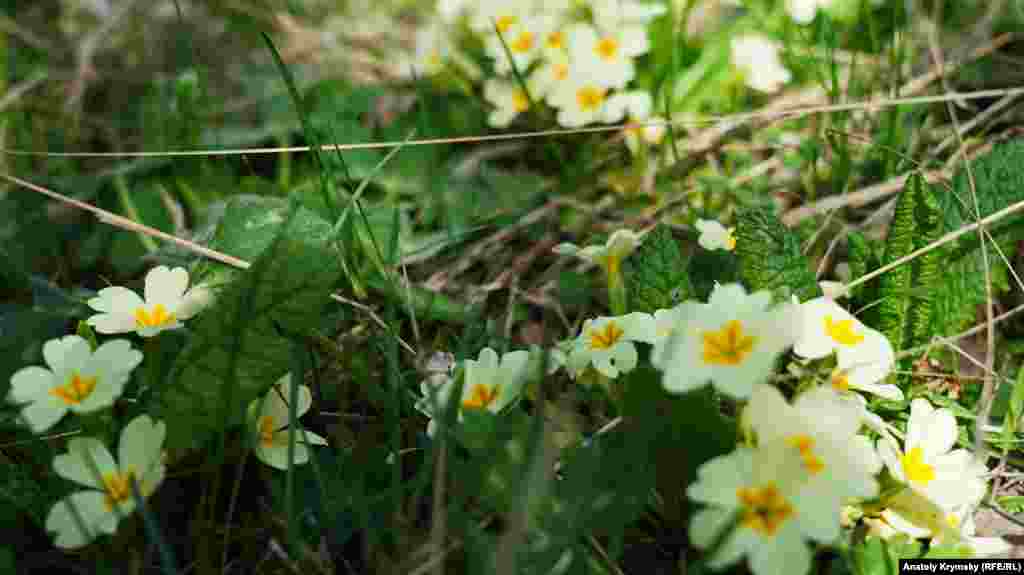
[509,101]
[929,464]
[139,457]
[579,99]
[547,78]
[609,256]
[78,379]
[864,356]
[803,11]
[715,236]
[606,57]
[166,304]
[732,340]
[757,58]
[763,485]
[961,518]
[607,343]
[822,430]
[524,39]
[490,383]
[433,48]
[269,425]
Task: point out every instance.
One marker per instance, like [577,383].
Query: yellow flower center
[805,444]
[952,521]
[560,71]
[505,22]
[766,509]
[728,346]
[480,397]
[840,382]
[730,241]
[914,467]
[520,102]
[157,317]
[118,487]
[76,390]
[434,60]
[842,331]
[589,98]
[606,337]
[266,430]
[555,40]
[606,48]
[522,43]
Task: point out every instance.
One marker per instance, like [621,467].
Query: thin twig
[728,121]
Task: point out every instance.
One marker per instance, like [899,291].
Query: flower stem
[616,288]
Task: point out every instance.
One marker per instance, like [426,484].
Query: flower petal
[166,286]
[76,464]
[30,383]
[116,299]
[62,520]
[43,414]
[141,443]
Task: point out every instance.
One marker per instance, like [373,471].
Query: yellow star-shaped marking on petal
[728,346]
[157,317]
[76,390]
[607,337]
[842,331]
[914,467]
[480,397]
[805,444]
[766,508]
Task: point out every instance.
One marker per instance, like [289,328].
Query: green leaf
[655,273]
[907,292]
[237,349]
[770,255]
[876,556]
[865,255]
[22,334]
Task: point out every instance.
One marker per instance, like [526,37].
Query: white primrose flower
[715,236]
[269,425]
[960,519]
[929,464]
[89,463]
[606,58]
[433,48]
[166,304]
[822,430]
[491,383]
[732,340]
[636,108]
[763,486]
[609,256]
[78,379]
[803,11]
[509,101]
[864,356]
[607,343]
[524,39]
[666,322]
[487,16]
[549,75]
[579,99]
[757,58]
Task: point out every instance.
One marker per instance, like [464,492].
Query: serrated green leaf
[655,274]
[907,292]
[770,255]
[237,349]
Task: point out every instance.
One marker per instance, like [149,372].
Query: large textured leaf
[240,346]
[907,291]
[770,255]
[655,273]
[864,255]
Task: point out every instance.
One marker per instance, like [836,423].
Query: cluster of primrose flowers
[808,465]
[577,57]
[83,380]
